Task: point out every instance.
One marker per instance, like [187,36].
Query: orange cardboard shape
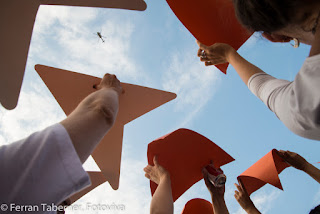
[97,178]
[198,206]
[17,19]
[211,21]
[265,170]
[184,153]
[69,88]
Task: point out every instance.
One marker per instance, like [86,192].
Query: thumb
[155,160]
[202,46]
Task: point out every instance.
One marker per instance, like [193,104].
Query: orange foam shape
[184,153]
[211,21]
[265,170]
[69,88]
[97,178]
[198,206]
[16,21]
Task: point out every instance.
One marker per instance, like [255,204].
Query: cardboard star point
[70,88]
[17,18]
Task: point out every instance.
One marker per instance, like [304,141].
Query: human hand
[110,81]
[217,53]
[156,173]
[244,200]
[294,159]
[216,192]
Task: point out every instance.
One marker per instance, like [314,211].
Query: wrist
[230,54]
[252,210]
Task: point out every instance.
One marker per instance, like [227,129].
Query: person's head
[280,19]
[316,210]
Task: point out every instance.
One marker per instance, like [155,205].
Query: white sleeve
[41,169]
[297,103]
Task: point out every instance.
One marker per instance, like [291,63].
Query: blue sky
[153,49]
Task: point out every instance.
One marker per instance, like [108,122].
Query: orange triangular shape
[69,88]
[265,170]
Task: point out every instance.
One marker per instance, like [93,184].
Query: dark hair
[316,210]
[267,15]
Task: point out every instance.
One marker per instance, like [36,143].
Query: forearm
[244,68]
[219,206]
[252,210]
[313,172]
[91,120]
[162,201]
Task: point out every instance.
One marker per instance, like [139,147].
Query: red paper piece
[265,170]
[97,178]
[211,21]
[198,206]
[184,153]
[69,88]
[16,19]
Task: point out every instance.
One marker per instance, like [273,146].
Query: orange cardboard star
[198,205]
[265,170]
[97,178]
[69,88]
[211,21]
[16,21]
[184,153]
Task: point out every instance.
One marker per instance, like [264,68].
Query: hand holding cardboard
[264,171]
[184,153]
[70,88]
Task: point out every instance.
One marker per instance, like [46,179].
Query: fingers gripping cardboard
[211,21]
[69,88]
[265,170]
[184,153]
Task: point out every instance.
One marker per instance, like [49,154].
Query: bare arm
[217,195]
[300,163]
[223,53]
[244,200]
[93,117]
[162,201]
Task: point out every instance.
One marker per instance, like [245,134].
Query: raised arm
[223,53]
[244,200]
[300,163]
[217,195]
[162,201]
[94,116]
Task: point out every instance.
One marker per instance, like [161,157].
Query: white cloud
[34,112]
[65,37]
[194,83]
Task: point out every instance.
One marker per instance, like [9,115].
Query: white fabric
[297,103]
[41,169]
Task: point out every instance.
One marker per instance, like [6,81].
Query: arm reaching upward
[162,201]
[244,200]
[300,163]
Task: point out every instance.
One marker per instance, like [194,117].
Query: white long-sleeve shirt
[297,103]
[44,168]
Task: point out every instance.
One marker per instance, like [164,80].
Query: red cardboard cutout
[265,170]
[69,88]
[211,21]
[184,153]
[16,21]
[198,206]
[97,178]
